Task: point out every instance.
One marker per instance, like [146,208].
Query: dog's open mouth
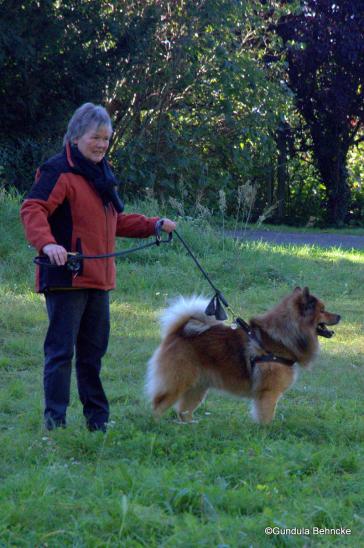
[322,331]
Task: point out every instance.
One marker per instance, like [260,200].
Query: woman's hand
[56,253]
[168,225]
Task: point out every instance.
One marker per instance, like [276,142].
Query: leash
[74,260]
[214,308]
[218,301]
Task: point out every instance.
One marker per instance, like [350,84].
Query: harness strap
[270,357]
[248,330]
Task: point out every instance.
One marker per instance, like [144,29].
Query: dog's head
[312,310]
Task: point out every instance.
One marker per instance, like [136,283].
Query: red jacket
[63,208]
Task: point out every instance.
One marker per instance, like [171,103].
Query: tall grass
[220,482]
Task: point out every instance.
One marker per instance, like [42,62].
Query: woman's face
[94,143]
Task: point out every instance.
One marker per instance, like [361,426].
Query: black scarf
[99,176]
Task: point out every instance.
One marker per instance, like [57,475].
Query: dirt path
[346,241]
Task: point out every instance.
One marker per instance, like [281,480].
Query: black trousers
[78,320]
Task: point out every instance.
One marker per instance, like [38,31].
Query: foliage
[195,111]
[324,43]
[193,107]
[53,57]
[197,91]
[356,178]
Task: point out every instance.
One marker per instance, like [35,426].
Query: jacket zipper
[79,250]
[107,242]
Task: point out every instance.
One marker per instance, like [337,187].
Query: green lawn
[219,482]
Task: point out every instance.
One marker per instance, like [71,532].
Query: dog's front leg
[264,406]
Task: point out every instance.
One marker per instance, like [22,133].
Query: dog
[199,352]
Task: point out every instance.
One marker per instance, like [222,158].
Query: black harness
[269,357]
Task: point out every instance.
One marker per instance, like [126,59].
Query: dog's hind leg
[189,401]
[162,401]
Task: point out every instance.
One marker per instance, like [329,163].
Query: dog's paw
[193,421]
[186,420]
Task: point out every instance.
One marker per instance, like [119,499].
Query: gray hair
[86,117]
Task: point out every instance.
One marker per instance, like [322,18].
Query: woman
[73,206]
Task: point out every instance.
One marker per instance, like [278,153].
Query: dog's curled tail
[189,312]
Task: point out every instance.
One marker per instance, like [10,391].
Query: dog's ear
[308,302]
[306,294]
[297,289]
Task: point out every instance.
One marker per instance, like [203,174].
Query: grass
[220,482]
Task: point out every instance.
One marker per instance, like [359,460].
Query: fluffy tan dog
[198,352]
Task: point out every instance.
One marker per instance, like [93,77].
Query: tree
[53,57]
[324,43]
[194,110]
[185,82]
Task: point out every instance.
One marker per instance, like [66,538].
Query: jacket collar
[69,155]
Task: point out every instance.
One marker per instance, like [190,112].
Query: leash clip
[73,262]
[215,307]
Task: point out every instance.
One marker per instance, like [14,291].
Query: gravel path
[346,241]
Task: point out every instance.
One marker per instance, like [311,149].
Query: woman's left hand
[168,225]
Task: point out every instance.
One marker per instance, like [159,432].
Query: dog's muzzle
[322,331]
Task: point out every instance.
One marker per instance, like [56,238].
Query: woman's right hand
[56,253]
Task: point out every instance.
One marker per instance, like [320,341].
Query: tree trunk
[281,169]
[335,178]
[269,190]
